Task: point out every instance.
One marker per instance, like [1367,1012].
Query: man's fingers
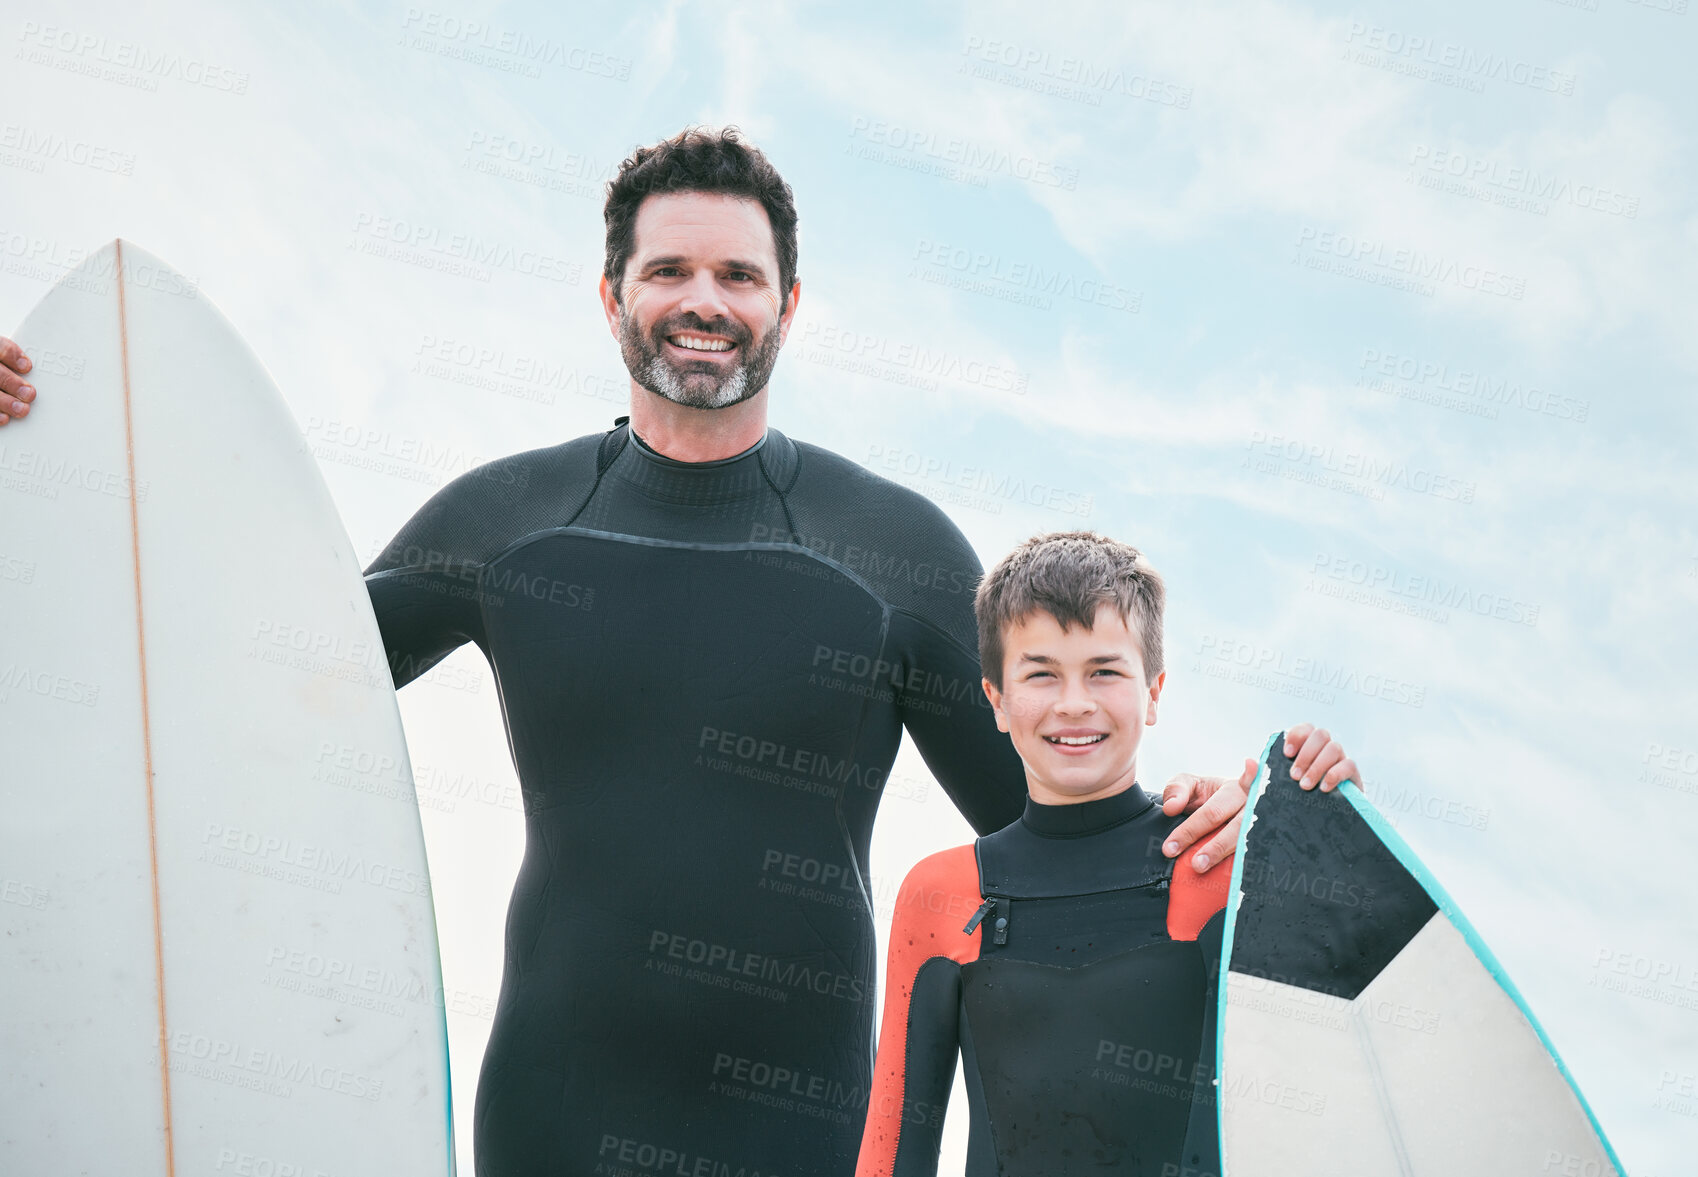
[12,356]
[1344,770]
[1329,755]
[1220,847]
[15,392]
[1199,823]
[1324,761]
[1226,801]
[1312,746]
[1185,833]
[1294,737]
[15,395]
[1180,790]
[14,387]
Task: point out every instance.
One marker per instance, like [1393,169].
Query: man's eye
[667,272]
[741,276]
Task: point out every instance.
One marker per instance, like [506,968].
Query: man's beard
[701,384]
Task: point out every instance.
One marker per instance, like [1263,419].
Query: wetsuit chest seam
[686,545]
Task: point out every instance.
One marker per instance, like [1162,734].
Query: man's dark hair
[1068,574]
[698,160]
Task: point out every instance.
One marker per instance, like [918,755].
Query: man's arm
[424,584]
[420,623]
[952,726]
[917,1047]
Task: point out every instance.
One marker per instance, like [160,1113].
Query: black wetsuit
[705,671]
[1081,1001]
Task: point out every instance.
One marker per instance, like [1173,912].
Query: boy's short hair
[1068,574]
[698,160]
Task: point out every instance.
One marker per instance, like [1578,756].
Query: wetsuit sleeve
[918,1042]
[423,586]
[920,564]
[945,711]
[943,705]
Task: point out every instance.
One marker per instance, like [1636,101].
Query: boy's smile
[1075,703]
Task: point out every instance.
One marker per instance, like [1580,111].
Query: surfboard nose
[185,879]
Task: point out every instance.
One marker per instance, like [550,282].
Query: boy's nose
[1076,701]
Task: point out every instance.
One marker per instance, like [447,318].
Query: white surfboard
[1365,1029]
[217,945]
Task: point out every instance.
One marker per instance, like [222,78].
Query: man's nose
[703,296]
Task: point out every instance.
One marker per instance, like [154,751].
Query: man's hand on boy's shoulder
[1216,804]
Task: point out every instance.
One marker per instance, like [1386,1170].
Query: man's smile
[692,342]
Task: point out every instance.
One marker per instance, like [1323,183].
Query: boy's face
[1075,702]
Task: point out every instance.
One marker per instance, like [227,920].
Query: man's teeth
[695,344]
[1071,740]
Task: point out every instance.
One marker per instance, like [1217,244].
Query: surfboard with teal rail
[1364,1028]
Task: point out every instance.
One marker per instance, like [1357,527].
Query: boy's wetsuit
[1082,1001]
[705,670]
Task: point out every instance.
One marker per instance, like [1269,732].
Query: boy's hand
[1216,804]
[1317,757]
[15,393]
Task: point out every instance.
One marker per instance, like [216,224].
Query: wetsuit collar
[767,466]
[655,455]
[1087,817]
[711,485]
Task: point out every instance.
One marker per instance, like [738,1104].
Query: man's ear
[1155,693]
[609,305]
[789,315]
[995,697]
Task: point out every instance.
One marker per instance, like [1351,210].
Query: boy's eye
[1107,670]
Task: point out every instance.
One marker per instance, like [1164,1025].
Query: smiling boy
[1064,958]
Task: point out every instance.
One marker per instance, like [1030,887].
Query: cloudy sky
[1371,325]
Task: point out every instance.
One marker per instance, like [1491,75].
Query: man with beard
[708,640]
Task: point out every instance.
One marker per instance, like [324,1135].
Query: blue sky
[1370,325]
